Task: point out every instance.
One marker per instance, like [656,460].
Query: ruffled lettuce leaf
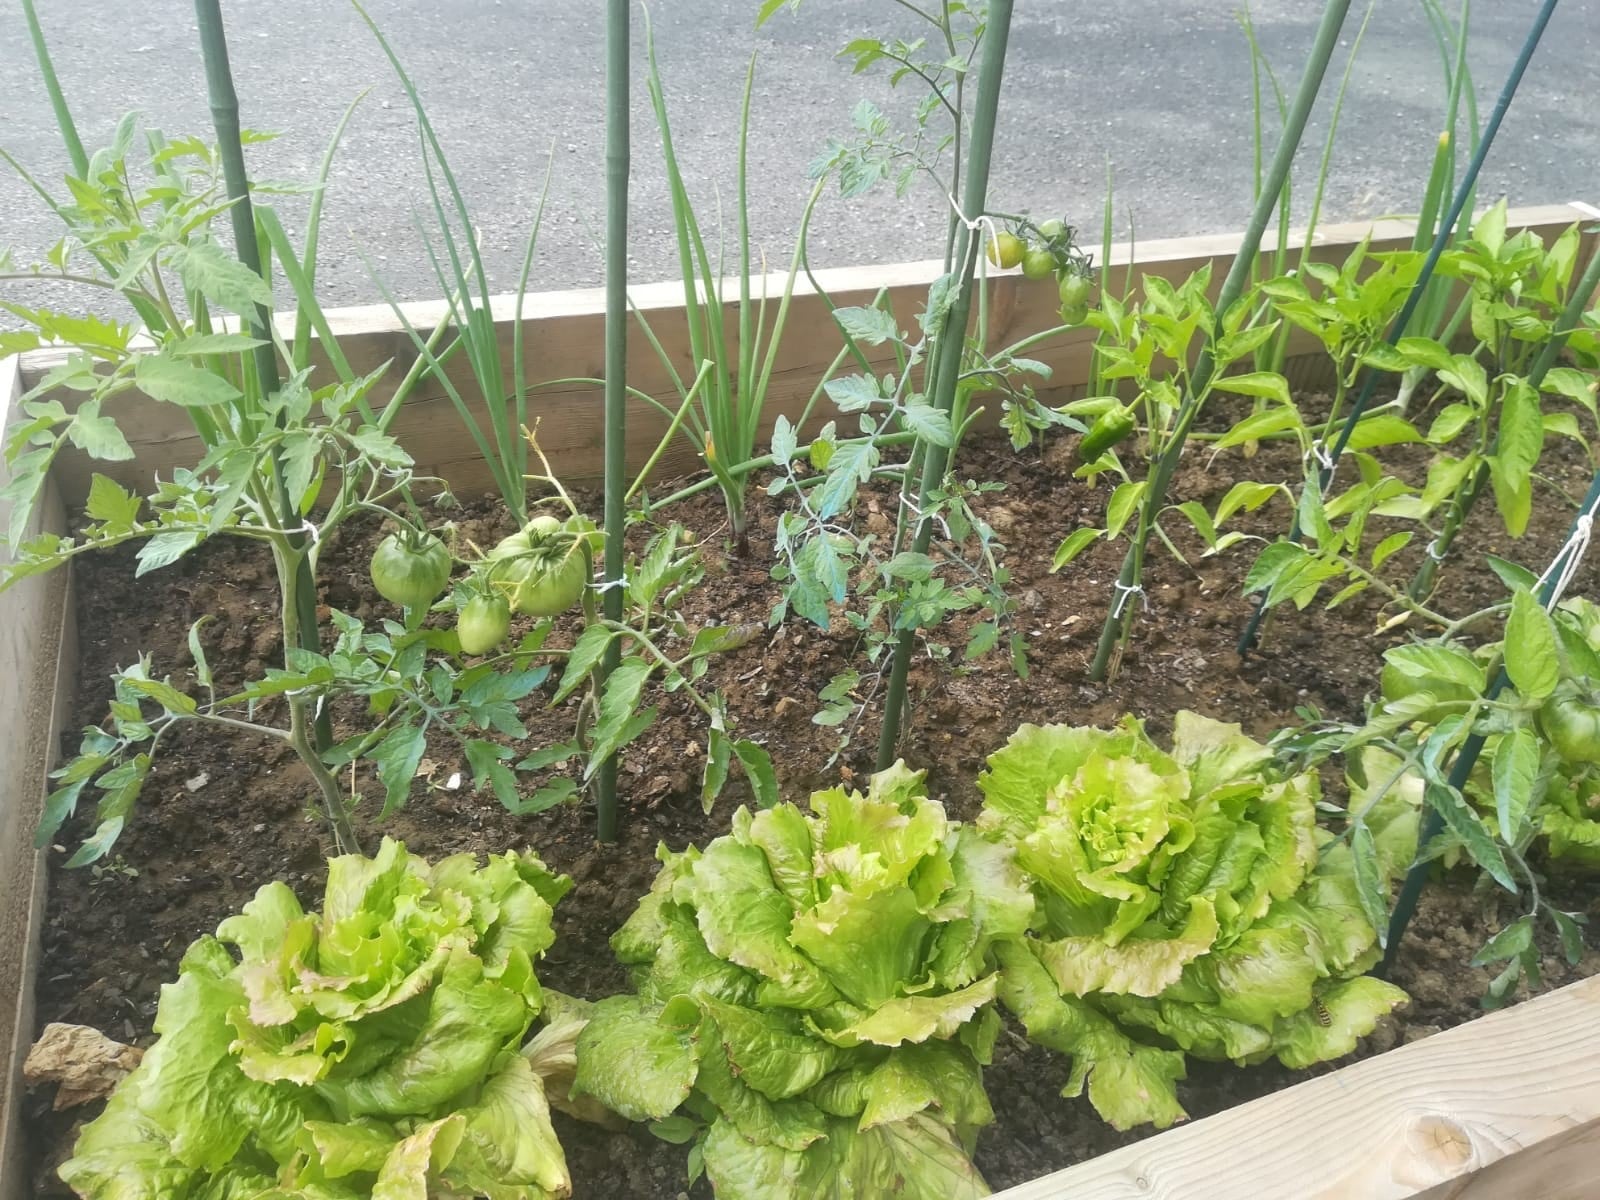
[370,1049]
[918,1156]
[1183,907]
[815,993]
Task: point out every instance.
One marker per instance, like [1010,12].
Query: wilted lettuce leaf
[369,1050]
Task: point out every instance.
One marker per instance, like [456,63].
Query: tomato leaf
[1372,885]
[397,757]
[1530,647]
[757,764]
[585,654]
[719,754]
[1516,768]
[173,381]
[1462,821]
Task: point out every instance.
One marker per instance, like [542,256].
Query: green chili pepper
[1110,428]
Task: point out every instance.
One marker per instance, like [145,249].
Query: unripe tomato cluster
[539,571]
[1044,250]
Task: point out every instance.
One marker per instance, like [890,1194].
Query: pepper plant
[1152,499]
[1152,345]
[1487,424]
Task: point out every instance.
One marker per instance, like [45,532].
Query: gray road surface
[1160,87]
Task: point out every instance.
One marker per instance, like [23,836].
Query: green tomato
[1571,724]
[1074,314]
[482,623]
[1038,263]
[411,574]
[1052,229]
[542,570]
[1075,290]
[1005,250]
[541,528]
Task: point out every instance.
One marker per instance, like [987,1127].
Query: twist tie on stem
[1325,460]
[937,518]
[1434,552]
[983,223]
[1565,564]
[1126,592]
[620,582]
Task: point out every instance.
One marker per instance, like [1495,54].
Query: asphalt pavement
[1160,89]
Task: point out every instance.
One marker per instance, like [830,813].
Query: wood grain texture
[1506,1107]
[562,337]
[38,667]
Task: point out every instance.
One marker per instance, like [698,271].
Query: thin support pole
[1120,618]
[952,335]
[616,368]
[1405,905]
[1446,233]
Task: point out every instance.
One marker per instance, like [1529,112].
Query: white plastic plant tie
[1324,459]
[619,582]
[1126,592]
[1565,564]
[915,511]
[981,223]
[1434,552]
[310,529]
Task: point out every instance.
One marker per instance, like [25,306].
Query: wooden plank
[562,338]
[38,668]
[1506,1107]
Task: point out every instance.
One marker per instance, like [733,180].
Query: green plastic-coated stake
[1405,905]
[616,360]
[952,335]
[1447,228]
[1120,618]
[224,100]
[1461,504]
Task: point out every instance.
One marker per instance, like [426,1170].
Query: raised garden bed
[220,817]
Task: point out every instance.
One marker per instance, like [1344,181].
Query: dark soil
[224,813]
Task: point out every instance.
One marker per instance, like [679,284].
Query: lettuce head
[1183,908]
[369,1050]
[814,998]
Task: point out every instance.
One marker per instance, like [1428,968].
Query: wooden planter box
[1506,1108]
